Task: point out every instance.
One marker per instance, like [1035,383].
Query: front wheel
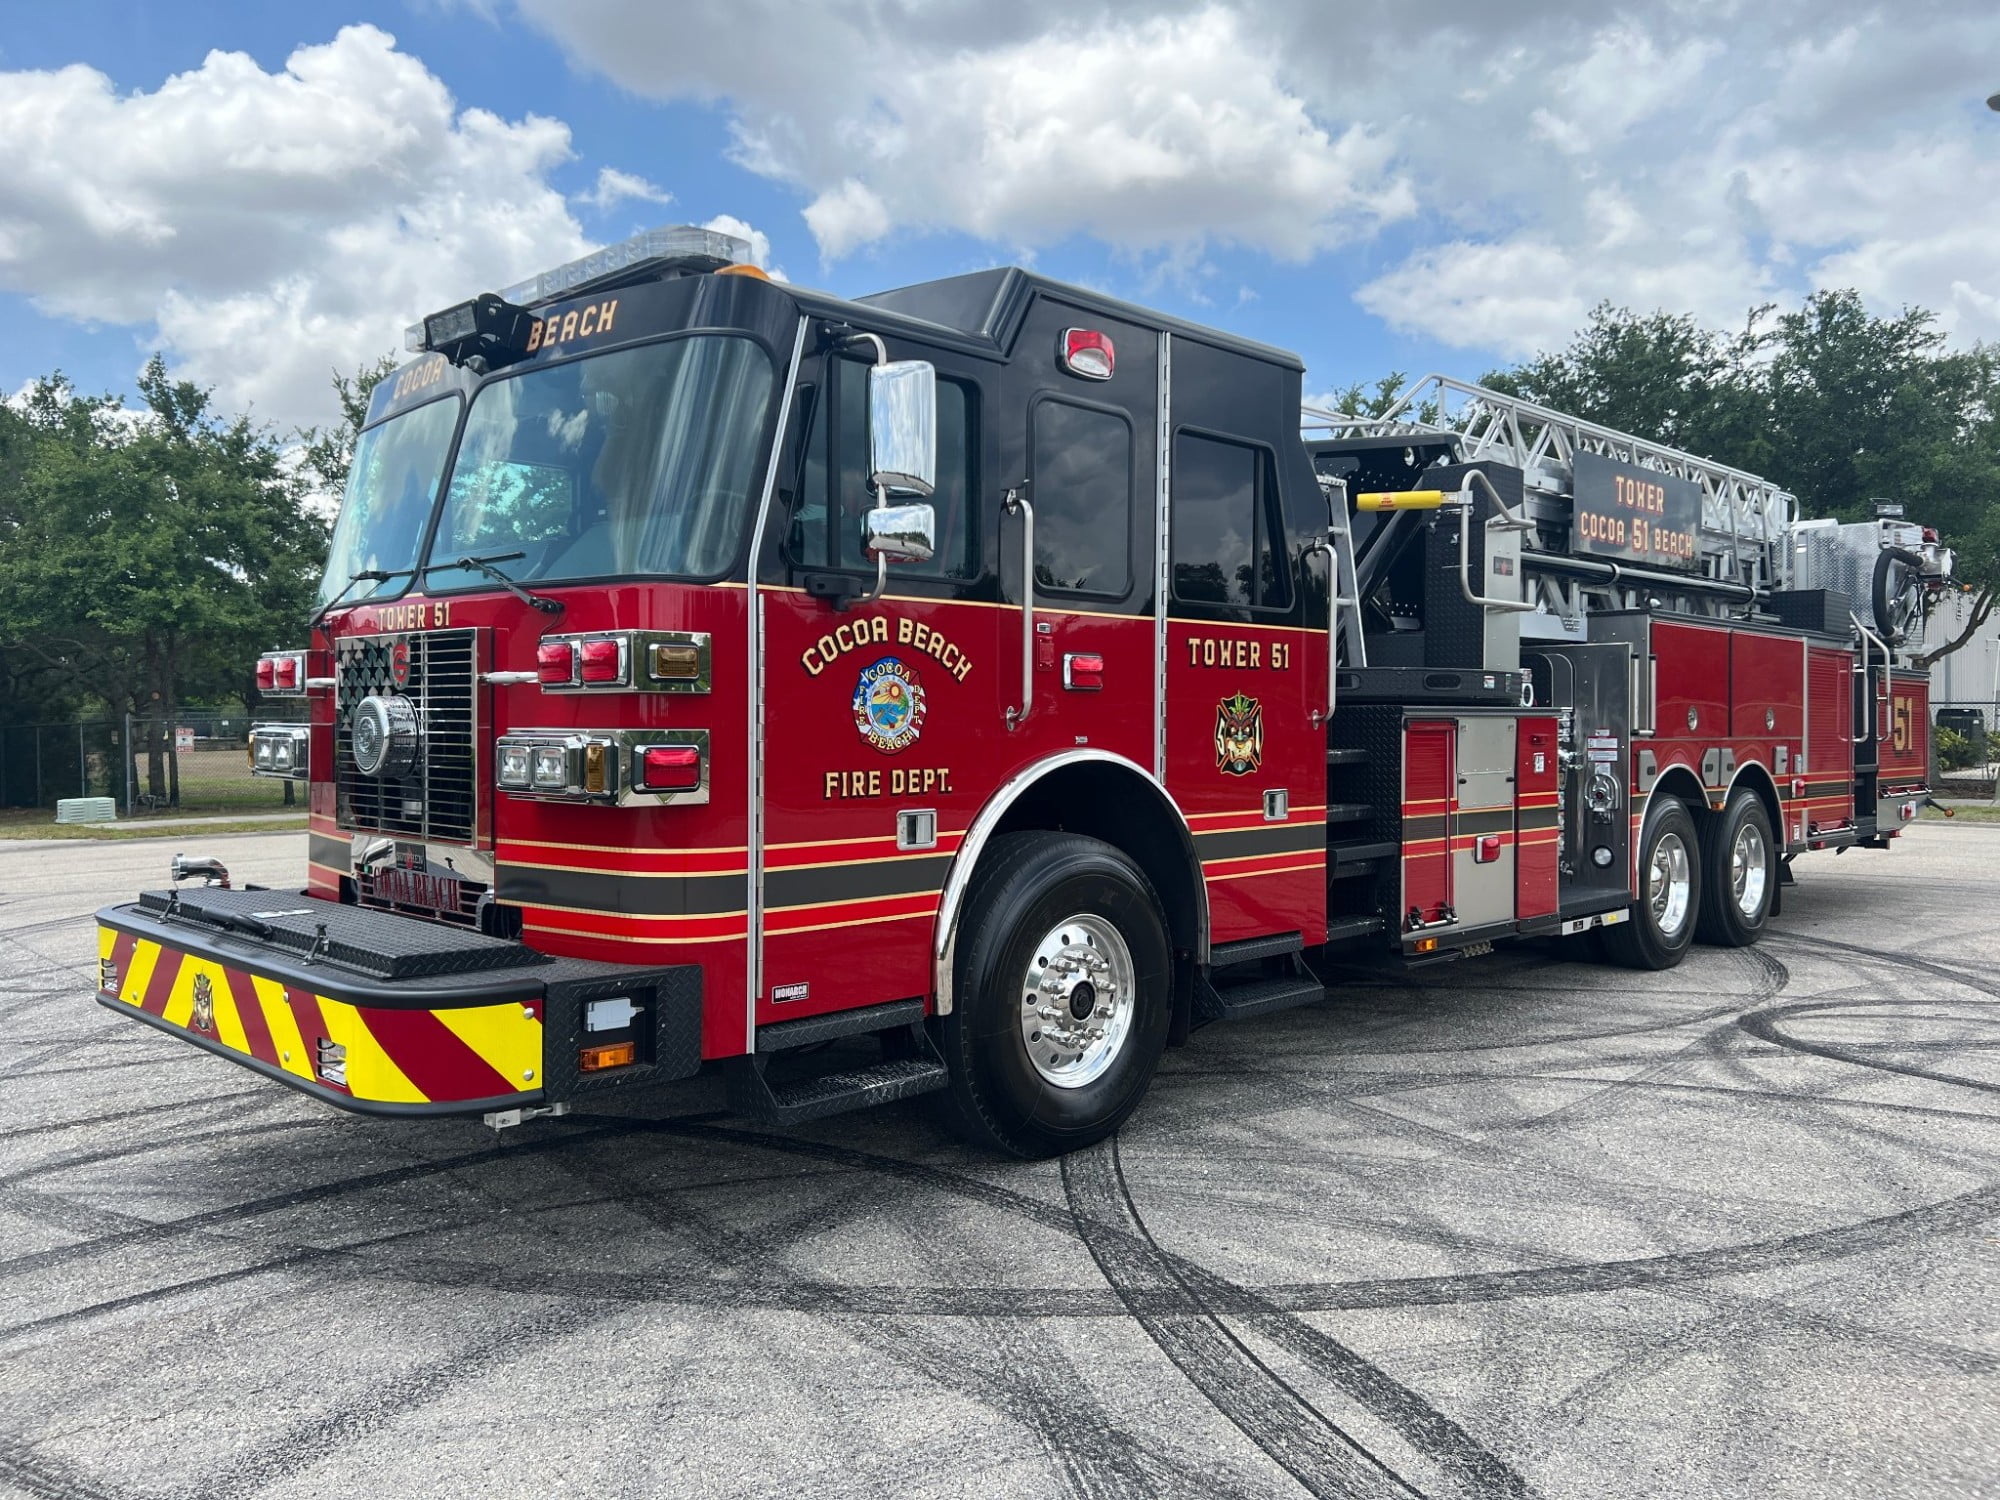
[1740,864]
[1670,893]
[1063,990]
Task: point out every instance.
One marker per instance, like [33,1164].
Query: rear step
[793,1101]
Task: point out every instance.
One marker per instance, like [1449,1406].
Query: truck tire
[1740,870]
[1063,985]
[1663,918]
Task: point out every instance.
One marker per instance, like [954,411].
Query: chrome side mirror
[900,533]
[902,427]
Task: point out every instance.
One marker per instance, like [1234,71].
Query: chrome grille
[438,798]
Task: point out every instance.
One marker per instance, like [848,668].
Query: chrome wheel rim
[1749,862]
[1077,1000]
[1669,886]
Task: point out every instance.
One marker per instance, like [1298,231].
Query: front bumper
[382,1014]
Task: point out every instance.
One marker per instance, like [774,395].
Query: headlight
[281,755]
[551,767]
[263,753]
[514,765]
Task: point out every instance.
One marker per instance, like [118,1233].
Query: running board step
[1348,812]
[1340,929]
[1222,955]
[1256,997]
[782,1036]
[1343,755]
[1347,858]
[796,1101]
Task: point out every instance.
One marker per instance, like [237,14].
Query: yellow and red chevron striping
[460,1055]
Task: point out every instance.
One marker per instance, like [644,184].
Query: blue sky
[1375,192]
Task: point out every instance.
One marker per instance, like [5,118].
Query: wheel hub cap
[1749,862]
[1077,1000]
[1669,886]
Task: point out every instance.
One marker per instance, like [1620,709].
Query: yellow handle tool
[1400,500]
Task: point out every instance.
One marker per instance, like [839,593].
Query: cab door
[878,715]
[1246,642]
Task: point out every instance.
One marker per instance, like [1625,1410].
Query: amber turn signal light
[609,1055]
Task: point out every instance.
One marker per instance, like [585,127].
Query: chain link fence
[191,761]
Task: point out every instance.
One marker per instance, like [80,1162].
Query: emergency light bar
[677,247]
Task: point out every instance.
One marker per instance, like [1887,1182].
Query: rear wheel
[1662,921]
[1740,863]
[1062,994]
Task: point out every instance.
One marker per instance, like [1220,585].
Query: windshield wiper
[485,565]
[366,575]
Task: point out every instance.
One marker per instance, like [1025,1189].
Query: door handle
[1334,601]
[1018,502]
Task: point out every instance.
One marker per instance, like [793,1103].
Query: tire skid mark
[262,1092]
[44,1477]
[1329,1359]
[1260,1403]
[1764,1025]
[1951,1215]
[1011,1374]
[292,1198]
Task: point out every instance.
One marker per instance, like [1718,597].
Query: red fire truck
[997,681]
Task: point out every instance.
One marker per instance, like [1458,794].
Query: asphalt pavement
[1515,1226]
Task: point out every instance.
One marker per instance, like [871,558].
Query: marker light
[602,660]
[674,662]
[1083,672]
[282,673]
[1088,353]
[670,768]
[608,1055]
[555,663]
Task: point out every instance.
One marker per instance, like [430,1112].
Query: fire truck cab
[708,669]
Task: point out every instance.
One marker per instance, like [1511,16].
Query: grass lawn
[39,823]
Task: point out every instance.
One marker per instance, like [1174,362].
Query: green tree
[327,452]
[147,556]
[1833,403]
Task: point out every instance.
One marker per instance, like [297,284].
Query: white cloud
[615,187]
[1021,125]
[759,242]
[1701,155]
[267,229]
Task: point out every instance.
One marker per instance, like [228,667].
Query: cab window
[1080,467]
[1228,535]
[826,520]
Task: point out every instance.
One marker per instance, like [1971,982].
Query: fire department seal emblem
[203,1018]
[889,705]
[1239,735]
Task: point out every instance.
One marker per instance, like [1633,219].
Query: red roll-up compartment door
[1537,819]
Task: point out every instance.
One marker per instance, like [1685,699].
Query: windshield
[390,487]
[637,461]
